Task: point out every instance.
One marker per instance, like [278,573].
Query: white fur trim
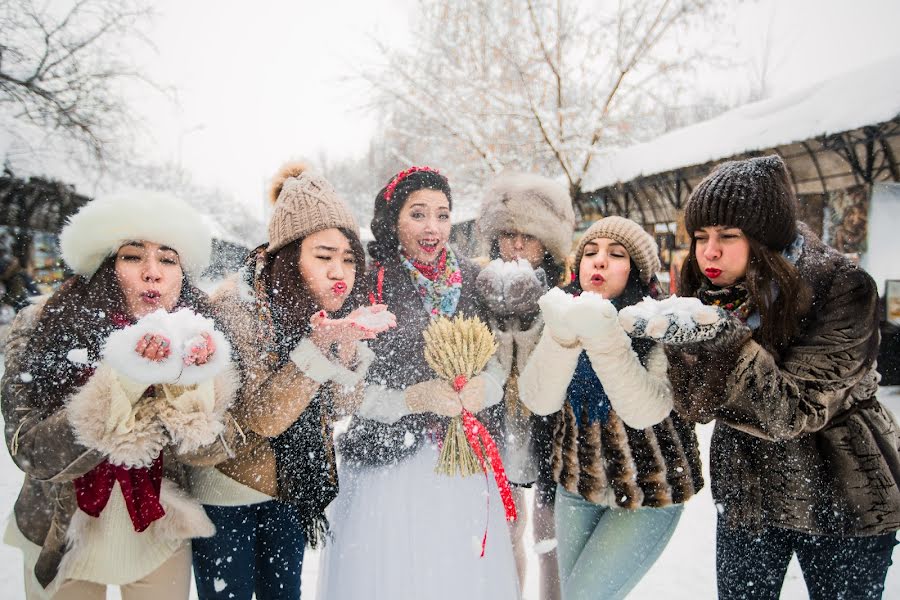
[350,379]
[313,364]
[101,226]
[383,404]
[546,377]
[183,328]
[103,418]
[504,353]
[194,415]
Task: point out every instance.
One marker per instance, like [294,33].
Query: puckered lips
[712,272]
[339,288]
[151,297]
[597,279]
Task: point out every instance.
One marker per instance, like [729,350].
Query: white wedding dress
[403,532]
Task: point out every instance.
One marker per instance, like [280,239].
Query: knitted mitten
[673,321]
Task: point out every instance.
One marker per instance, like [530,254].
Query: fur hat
[305,202]
[531,204]
[755,195]
[640,245]
[102,225]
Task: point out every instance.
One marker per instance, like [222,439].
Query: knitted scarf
[585,392]
[439,285]
[733,299]
[304,452]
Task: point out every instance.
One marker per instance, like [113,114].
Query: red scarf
[140,485]
[434,271]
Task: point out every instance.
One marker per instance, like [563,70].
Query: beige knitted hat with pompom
[305,202]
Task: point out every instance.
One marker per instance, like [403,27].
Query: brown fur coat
[800,440]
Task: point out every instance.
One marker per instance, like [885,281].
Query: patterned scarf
[733,299]
[439,285]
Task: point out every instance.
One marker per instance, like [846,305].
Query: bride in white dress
[399,530]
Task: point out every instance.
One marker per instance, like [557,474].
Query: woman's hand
[154,346]
[435,396]
[326,332]
[376,318]
[472,394]
[200,350]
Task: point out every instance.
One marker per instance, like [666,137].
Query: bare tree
[537,85]
[61,67]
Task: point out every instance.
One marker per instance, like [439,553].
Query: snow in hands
[189,335]
[674,320]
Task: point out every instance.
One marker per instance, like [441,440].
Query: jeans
[604,551]
[257,548]
[753,565]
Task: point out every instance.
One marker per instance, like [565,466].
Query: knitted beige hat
[305,202]
[640,245]
[531,204]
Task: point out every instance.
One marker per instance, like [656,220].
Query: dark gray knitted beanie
[754,194]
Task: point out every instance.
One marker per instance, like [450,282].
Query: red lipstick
[712,272]
[339,288]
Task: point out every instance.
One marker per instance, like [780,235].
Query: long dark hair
[80,315]
[552,269]
[292,304]
[384,223]
[782,307]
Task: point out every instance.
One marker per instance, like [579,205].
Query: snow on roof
[865,96]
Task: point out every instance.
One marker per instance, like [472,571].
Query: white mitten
[555,306]
[674,321]
[184,329]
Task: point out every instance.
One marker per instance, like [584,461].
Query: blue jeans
[752,565]
[257,548]
[604,552]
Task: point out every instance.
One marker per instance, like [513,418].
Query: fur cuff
[184,328]
[313,364]
[383,404]
[195,415]
[103,418]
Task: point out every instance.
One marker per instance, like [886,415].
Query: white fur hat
[532,204]
[100,228]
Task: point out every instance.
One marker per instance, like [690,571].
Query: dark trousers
[753,565]
[257,548]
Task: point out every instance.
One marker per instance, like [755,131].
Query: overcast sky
[258,84]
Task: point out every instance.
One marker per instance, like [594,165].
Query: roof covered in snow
[865,96]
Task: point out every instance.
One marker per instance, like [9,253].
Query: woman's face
[723,254]
[423,225]
[604,268]
[515,245]
[150,276]
[328,267]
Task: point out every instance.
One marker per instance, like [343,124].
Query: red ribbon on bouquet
[482,443]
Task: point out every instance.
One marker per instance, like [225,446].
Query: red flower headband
[400,177]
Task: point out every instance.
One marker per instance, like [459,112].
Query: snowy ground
[686,570]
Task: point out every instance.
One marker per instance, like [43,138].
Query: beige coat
[52,449]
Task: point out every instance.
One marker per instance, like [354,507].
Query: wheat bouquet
[457,350]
